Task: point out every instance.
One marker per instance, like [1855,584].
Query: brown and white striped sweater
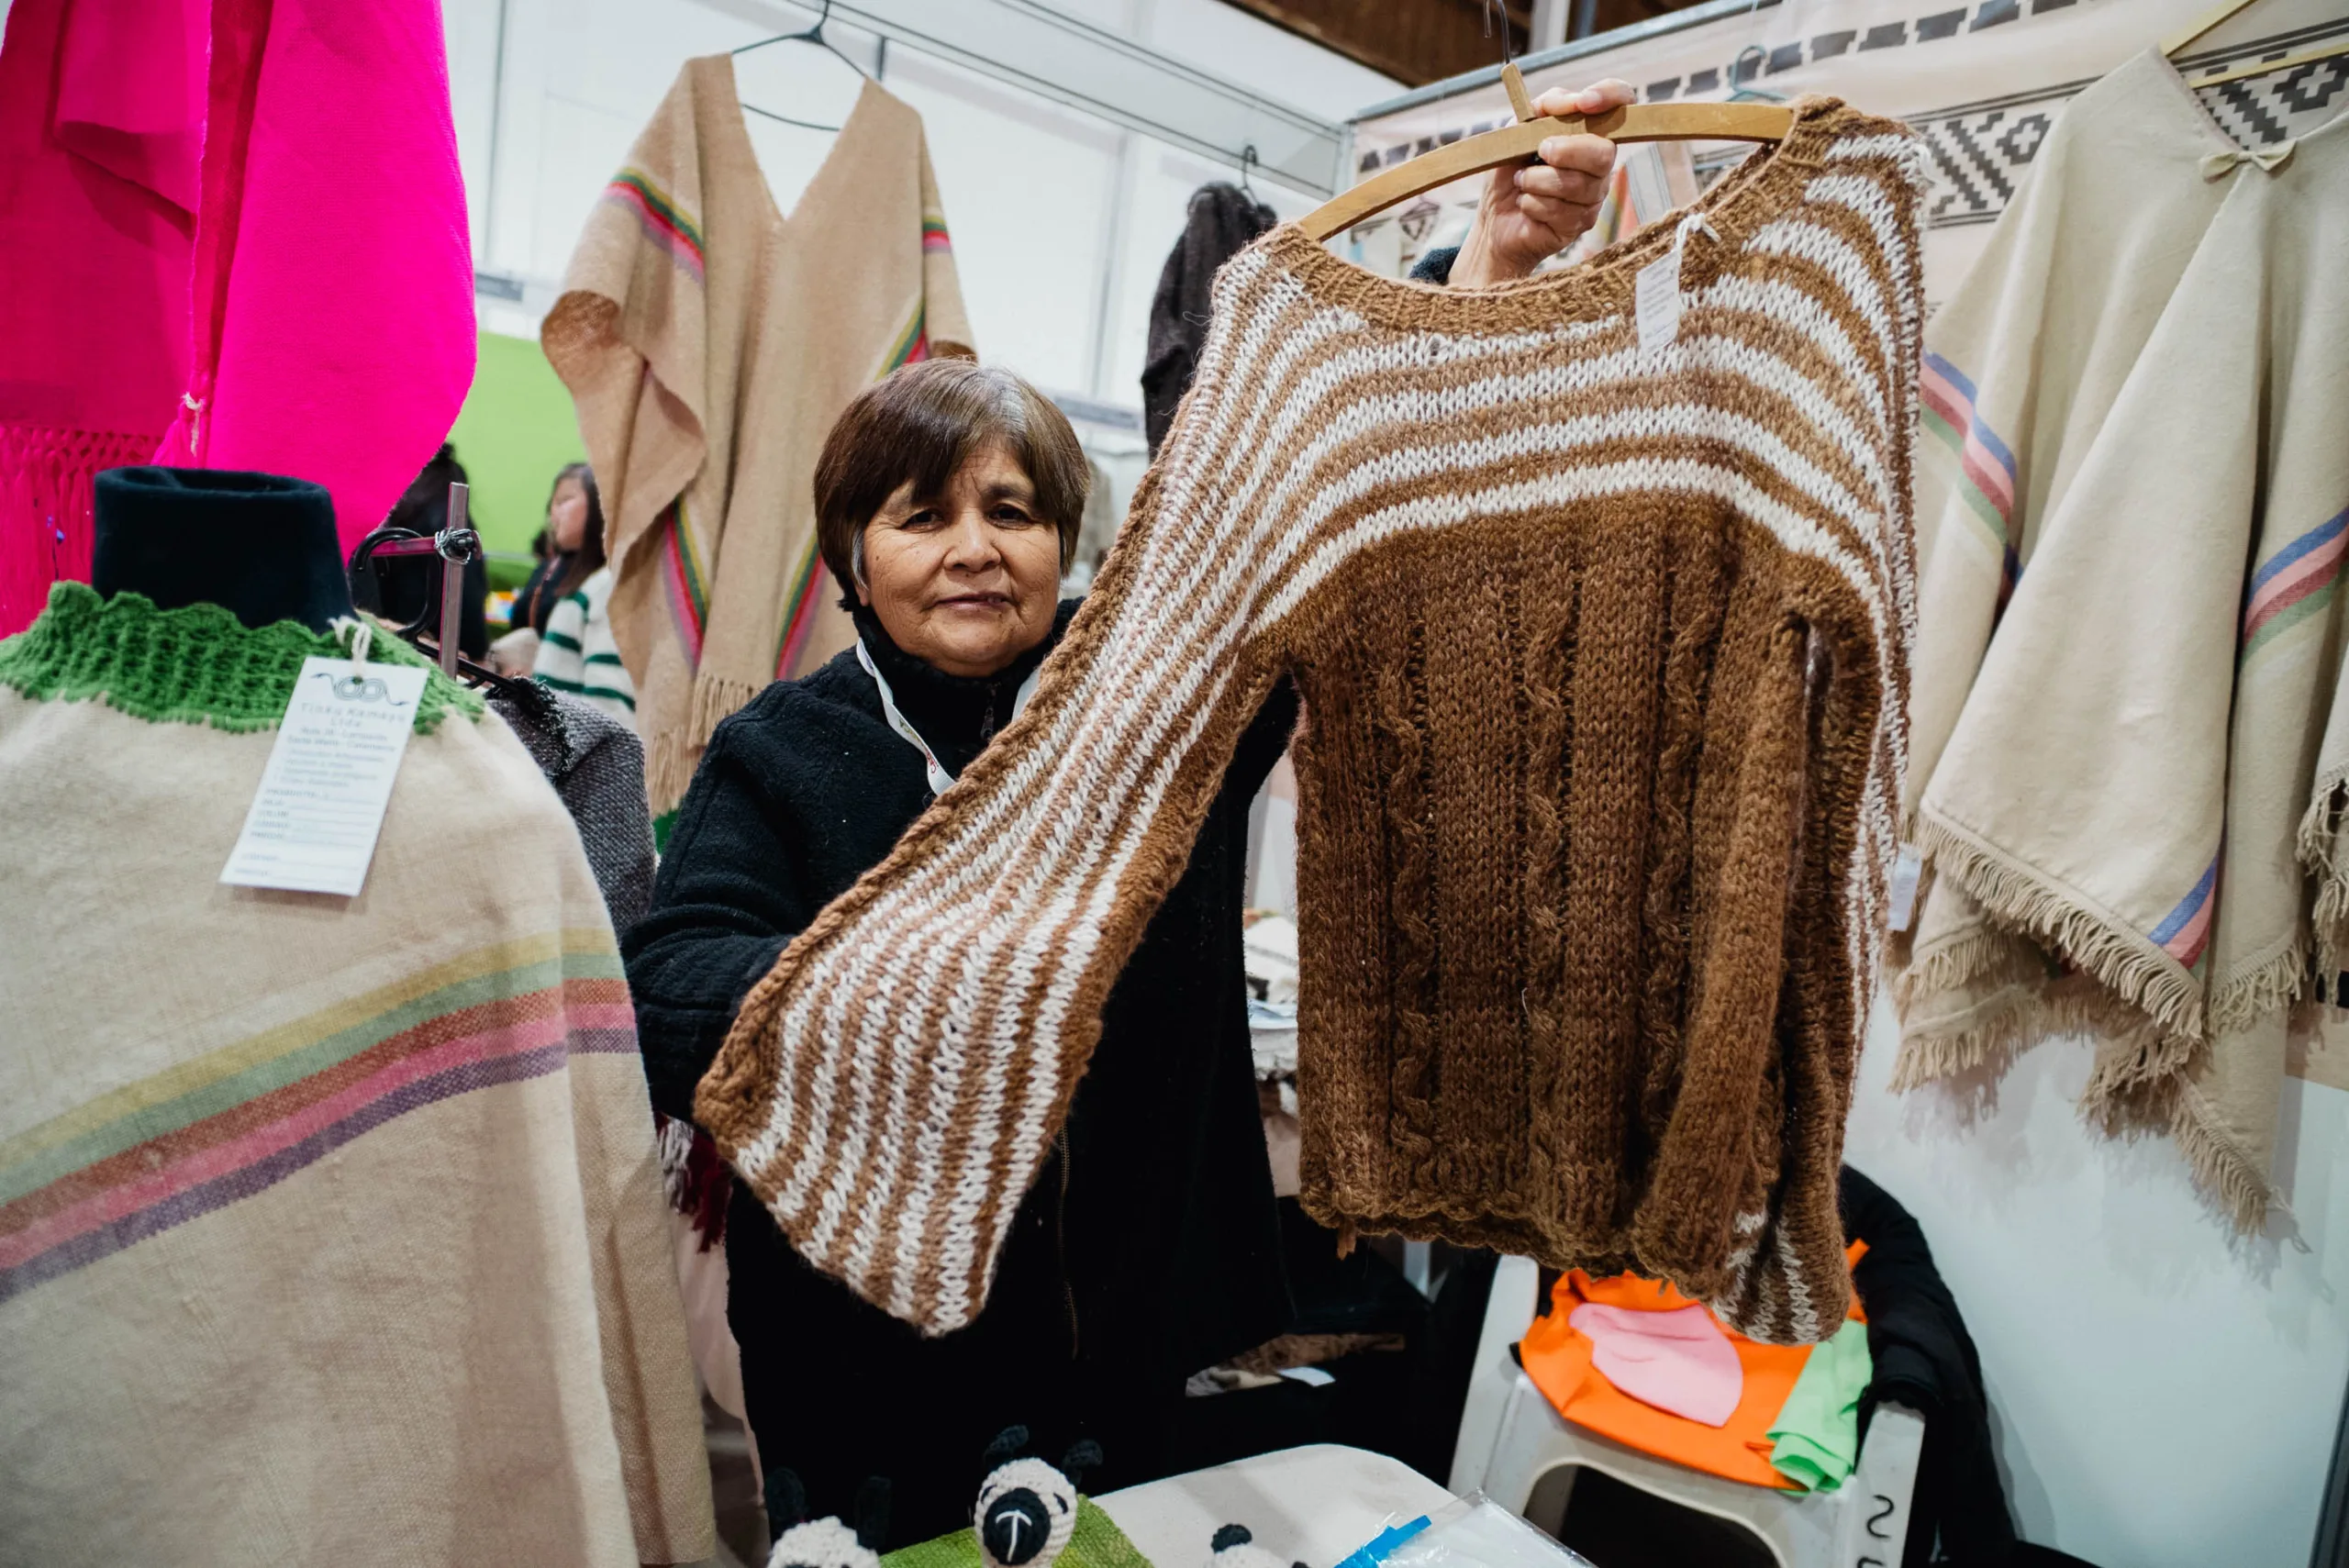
[1605,661]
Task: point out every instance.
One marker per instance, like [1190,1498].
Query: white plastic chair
[1511,1438]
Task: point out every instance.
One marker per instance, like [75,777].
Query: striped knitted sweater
[577,653]
[1604,657]
[324,1221]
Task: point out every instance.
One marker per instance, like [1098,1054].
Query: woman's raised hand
[1532,211]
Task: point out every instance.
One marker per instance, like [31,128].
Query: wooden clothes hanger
[1516,143]
[814,35]
[2177,41]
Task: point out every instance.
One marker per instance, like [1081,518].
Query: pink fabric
[333,325]
[1679,1361]
[100,118]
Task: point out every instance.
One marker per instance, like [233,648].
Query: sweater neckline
[1757,191]
[195,664]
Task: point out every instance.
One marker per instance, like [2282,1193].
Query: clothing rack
[457,546]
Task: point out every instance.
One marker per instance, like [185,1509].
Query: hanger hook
[1488,8]
[1248,160]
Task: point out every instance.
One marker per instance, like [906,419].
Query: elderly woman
[949,498]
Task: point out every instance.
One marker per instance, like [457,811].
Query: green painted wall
[516,428]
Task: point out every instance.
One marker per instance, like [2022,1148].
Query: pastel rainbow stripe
[799,607]
[198,1136]
[664,222]
[1948,402]
[808,579]
[2294,583]
[933,234]
[911,343]
[2185,932]
[682,579]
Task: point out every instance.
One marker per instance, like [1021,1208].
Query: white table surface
[1312,1505]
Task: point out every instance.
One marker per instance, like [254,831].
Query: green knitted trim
[195,665]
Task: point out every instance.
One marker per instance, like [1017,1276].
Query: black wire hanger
[813,35]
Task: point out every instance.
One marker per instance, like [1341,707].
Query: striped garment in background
[2130,514]
[577,653]
[324,1222]
[709,341]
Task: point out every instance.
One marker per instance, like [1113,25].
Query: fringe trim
[672,755]
[674,1142]
[2137,1067]
[2320,849]
[2274,985]
[2116,958]
[2055,1010]
[1953,964]
[1927,1058]
[2220,1169]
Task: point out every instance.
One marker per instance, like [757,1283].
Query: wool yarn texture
[325,1223]
[1604,656]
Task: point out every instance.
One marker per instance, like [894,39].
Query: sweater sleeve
[727,900]
[890,1089]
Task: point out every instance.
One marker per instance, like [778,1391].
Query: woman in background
[568,604]
[575,535]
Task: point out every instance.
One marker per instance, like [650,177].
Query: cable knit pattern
[1604,655]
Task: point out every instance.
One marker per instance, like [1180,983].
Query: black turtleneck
[1149,1248]
[958,715]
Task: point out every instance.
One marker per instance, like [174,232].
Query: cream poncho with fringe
[2133,524]
[709,342]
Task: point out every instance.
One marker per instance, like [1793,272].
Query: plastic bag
[1477,1533]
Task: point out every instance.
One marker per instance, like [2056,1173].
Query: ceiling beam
[1416,41]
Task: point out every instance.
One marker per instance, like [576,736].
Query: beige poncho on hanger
[709,341]
[2130,638]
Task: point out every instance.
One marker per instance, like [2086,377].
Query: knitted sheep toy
[802,1542]
[1234,1546]
[1027,1510]
[821,1543]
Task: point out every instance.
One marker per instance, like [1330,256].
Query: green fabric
[516,430]
[197,664]
[1096,1542]
[1818,1430]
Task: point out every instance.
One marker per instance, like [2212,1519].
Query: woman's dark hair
[424,505]
[916,426]
[564,572]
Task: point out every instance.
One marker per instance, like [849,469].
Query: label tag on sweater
[1657,292]
[1906,869]
[313,824]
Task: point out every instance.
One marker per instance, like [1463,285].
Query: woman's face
[967,580]
[567,516]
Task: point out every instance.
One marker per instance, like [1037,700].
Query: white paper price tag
[1905,872]
[313,824]
[1658,294]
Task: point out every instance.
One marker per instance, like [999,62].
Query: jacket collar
[956,713]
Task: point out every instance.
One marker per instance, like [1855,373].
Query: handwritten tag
[1656,293]
[1905,872]
[313,824]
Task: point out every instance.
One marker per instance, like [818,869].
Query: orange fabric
[1556,1356]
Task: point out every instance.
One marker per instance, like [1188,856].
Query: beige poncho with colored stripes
[2133,495]
[709,341]
[332,1229]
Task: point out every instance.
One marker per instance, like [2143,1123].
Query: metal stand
[456,545]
